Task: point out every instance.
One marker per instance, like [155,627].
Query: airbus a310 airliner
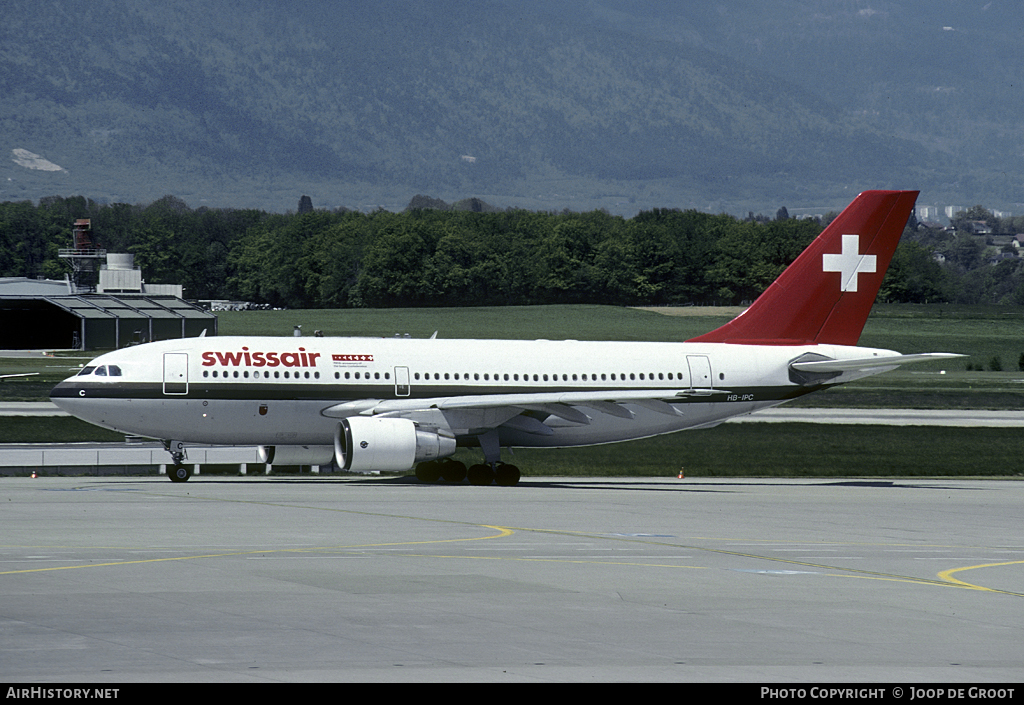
[391,404]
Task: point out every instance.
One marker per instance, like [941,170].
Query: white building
[120,276]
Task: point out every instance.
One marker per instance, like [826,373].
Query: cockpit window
[101,371]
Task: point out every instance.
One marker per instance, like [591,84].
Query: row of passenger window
[276,374]
[564,377]
[427,376]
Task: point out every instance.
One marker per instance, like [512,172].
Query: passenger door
[402,386]
[700,374]
[175,373]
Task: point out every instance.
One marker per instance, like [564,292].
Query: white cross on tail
[849,264]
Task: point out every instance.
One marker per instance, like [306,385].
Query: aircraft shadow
[582,483]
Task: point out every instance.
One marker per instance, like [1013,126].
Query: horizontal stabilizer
[866,363]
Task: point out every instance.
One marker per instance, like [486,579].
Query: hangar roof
[23,286]
[93,321]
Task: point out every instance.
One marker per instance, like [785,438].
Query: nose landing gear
[178,472]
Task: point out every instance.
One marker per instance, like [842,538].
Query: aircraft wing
[868,363]
[493,410]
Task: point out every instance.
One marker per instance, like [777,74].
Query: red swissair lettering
[260,359]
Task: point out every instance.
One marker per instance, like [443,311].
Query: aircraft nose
[83,401]
[65,394]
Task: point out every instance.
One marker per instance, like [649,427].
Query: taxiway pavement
[333,579]
[961,418]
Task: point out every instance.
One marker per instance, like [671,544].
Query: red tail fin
[826,294]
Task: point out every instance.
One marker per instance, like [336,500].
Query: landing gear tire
[179,473]
[506,475]
[480,475]
[453,471]
[429,471]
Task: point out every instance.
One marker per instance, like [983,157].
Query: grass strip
[791,450]
[729,450]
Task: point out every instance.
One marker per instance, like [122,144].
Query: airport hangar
[37,314]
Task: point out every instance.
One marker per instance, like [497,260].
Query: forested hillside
[724,106]
[484,256]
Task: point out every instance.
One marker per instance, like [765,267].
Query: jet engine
[296,455]
[364,444]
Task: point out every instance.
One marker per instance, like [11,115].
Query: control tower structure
[85,258]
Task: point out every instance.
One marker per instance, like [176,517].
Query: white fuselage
[285,390]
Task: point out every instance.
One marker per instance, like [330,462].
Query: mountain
[622,104]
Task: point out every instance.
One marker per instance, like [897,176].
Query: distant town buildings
[945,214]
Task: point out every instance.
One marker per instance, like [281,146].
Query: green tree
[393,265]
[750,256]
[564,261]
[253,266]
[333,261]
[914,277]
[964,251]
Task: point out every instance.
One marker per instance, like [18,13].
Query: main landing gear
[492,470]
[501,474]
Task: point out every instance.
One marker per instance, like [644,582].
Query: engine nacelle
[364,444]
[296,455]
